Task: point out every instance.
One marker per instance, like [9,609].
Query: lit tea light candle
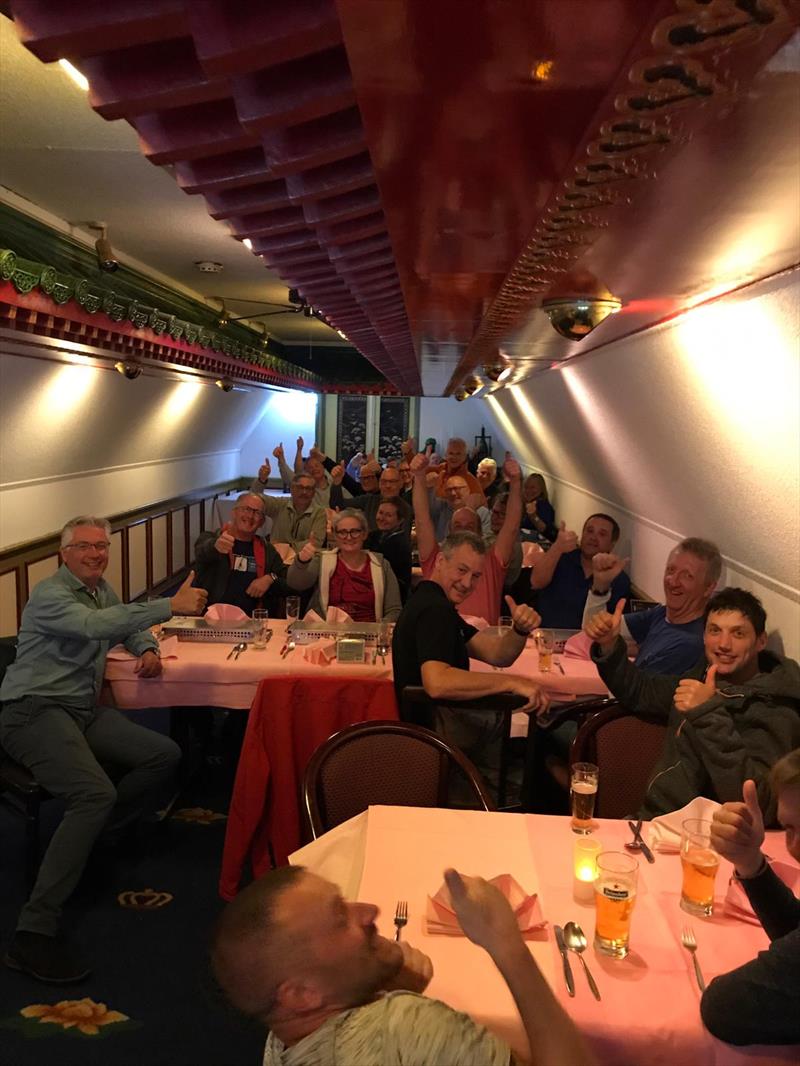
[584,865]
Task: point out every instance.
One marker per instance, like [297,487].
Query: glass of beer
[260,626]
[545,642]
[614,897]
[700,864]
[582,794]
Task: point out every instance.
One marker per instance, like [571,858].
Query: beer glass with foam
[545,642]
[614,897]
[583,792]
[260,627]
[700,864]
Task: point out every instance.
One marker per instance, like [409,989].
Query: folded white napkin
[665,831]
[473,620]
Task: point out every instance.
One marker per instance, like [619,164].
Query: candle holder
[584,868]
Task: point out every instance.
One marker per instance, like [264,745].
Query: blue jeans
[62,747]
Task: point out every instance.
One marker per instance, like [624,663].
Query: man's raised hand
[419,464]
[482,910]
[606,567]
[309,550]
[225,541]
[407,448]
[188,600]
[603,628]
[690,693]
[523,617]
[737,831]
[566,539]
[264,471]
[511,468]
[337,474]
[277,451]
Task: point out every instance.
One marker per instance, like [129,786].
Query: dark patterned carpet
[143,918]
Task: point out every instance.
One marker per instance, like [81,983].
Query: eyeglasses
[351,533]
[85,546]
[255,511]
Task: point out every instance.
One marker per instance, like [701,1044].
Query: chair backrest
[391,763]
[625,747]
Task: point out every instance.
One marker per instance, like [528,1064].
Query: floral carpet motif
[146,899]
[82,1017]
[198,815]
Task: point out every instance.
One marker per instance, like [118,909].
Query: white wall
[443,418]
[284,417]
[690,429]
[78,439]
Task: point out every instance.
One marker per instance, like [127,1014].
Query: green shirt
[65,634]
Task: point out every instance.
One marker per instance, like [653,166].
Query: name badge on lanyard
[240,562]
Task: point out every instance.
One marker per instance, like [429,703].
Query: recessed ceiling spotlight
[128,368]
[248,243]
[225,384]
[80,79]
[208,266]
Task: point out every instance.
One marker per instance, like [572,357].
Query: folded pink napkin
[312,616]
[320,653]
[578,646]
[440,917]
[665,830]
[286,551]
[473,620]
[530,550]
[225,612]
[336,614]
[737,905]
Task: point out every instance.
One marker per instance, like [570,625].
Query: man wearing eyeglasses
[235,565]
[294,518]
[52,725]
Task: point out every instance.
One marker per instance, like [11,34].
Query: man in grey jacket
[728,719]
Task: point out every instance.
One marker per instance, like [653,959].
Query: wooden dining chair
[389,763]
[625,747]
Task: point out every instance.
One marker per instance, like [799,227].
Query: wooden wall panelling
[8,603]
[195,525]
[41,569]
[178,521]
[158,537]
[113,574]
[137,559]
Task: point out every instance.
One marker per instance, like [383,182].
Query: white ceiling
[63,158]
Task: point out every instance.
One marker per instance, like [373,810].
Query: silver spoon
[634,845]
[237,650]
[576,941]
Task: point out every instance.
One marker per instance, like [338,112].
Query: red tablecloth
[289,719]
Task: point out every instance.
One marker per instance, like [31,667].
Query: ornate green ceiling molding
[26,275]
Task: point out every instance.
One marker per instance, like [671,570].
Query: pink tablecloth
[202,676]
[649,1013]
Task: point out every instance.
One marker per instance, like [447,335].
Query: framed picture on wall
[351,426]
[392,426]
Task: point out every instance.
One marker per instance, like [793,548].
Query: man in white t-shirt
[312,967]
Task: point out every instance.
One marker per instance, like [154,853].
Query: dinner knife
[637,835]
[562,947]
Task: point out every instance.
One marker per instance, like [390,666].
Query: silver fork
[689,942]
[400,917]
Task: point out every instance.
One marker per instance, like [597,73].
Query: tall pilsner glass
[700,864]
[583,792]
[614,897]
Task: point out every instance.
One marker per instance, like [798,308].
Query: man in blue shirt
[52,725]
[563,574]
[669,636]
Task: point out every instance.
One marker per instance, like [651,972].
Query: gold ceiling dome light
[461,393]
[577,304]
[499,370]
[128,368]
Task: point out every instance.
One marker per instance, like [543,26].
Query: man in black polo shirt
[432,646]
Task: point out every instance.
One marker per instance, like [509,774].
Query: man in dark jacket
[728,719]
[235,565]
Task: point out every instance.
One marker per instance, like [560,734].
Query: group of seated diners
[289,949]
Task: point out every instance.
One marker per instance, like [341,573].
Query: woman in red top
[361,583]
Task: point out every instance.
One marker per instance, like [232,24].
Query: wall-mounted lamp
[574,317]
[471,386]
[461,393]
[106,259]
[128,368]
[224,317]
[498,372]
[224,383]
[265,340]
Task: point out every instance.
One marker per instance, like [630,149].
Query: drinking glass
[545,642]
[582,794]
[292,609]
[614,897]
[700,864]
[504,623]
[383,641]
[260,626]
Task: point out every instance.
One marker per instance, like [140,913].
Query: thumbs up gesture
[225,540]
[309,550]
[566,539]
[188,600]
[523,618]
[264,471]
[603,628]
[606,567]
[277,451]
[690,693]
[737,832]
